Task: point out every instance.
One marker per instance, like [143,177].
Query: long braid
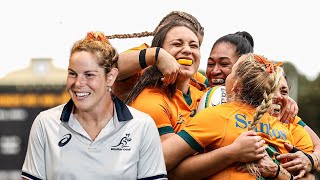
[260,79]
[202,85]
[134,35]
[178,16]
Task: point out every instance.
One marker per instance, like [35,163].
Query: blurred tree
[308,96]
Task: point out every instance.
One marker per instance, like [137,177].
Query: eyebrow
[84,72]
[220,58]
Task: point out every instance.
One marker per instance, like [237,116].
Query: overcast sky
[286,30]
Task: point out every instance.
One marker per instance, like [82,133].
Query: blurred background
[36,37]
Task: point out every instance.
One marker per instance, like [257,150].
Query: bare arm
[316,144]
[128,64]
[246,148]
[175,149]
[314,137]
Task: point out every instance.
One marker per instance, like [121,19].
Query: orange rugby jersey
[121,88]
[301,138]
[219,126]
[170,115]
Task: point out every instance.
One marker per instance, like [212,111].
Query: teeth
[276,108]
[217,81]
[82,94]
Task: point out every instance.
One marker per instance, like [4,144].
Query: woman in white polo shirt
[94,135]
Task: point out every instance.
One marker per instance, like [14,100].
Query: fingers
[290,110]
[241,168]
[294,166]
[288,156]
[294,107]
[170,77]
[288,146]
[300,175]
[251,133]
[285,110]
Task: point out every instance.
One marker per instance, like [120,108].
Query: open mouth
[82,94]
[218,81]
[186,62]
[276,108]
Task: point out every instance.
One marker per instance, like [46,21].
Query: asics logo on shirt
[66,138]
[243,123]
[122,145]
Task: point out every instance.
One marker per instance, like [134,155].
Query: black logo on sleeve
[122,144]
[66,138]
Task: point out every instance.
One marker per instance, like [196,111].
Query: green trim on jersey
[301,123]
[187,97]
[206,82]
[192,142]
[165,130]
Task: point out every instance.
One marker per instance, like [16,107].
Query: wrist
[315,161]
[232,153]
[275,176]
[152,55]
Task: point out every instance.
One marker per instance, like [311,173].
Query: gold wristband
[315,160]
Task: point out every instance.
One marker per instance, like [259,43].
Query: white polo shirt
[128,147]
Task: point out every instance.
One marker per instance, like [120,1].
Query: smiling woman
[94,125]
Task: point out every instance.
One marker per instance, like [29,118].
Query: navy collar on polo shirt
[122,110]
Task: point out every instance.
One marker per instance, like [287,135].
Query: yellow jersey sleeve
[138,48]
[206,128]
[301,138]
[200,78]
[297,120]
[122,88]
[153,102]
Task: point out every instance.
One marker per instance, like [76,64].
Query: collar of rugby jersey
[122,110]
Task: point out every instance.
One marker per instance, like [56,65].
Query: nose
[216,70]
[80,81]
[186,49]
[277,96]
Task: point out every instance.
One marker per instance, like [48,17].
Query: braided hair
[260,79]
[174,16]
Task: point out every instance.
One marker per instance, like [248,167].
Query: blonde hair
[260,79]
[97,44]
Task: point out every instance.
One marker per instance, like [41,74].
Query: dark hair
[152,75]
[242,40]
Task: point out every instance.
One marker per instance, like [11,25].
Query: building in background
[23,95]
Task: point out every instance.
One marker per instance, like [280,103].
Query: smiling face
[222,57]
[182,43]
[86,82]
[279,99]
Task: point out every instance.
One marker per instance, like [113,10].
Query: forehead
[283,82]
[241,58]
[222,50]
[181,33]
[83,60]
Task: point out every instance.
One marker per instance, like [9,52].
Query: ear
[112,76]
[236,86]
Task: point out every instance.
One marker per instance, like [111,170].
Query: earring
[109,88]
